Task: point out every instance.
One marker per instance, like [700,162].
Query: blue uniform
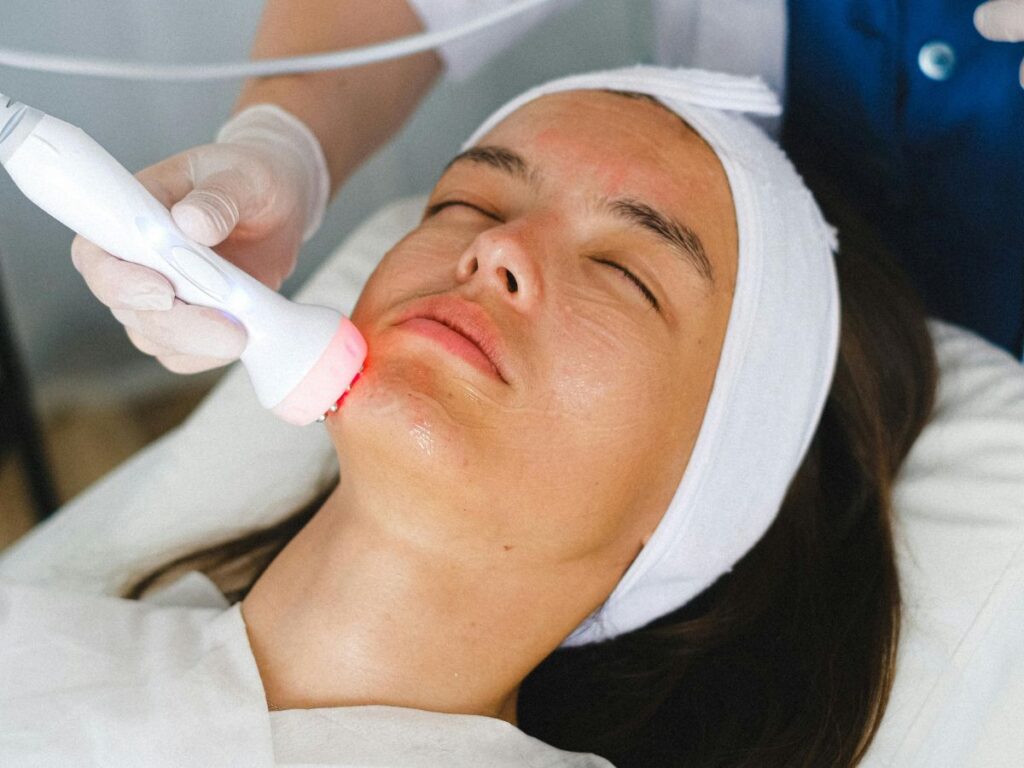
[921,121]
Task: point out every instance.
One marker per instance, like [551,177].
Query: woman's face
[568,447]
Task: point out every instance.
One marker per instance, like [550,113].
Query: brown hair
[787,660]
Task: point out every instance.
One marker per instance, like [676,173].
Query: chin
[403,411]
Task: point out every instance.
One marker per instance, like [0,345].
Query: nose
[500,260]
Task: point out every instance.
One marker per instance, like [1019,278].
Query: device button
[201,272]
[937,60]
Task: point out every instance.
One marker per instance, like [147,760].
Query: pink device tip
[327,380]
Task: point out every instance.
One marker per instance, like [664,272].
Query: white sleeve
[463,57]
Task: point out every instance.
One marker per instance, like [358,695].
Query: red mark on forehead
[614,173]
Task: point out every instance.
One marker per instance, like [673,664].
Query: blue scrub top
[920,121]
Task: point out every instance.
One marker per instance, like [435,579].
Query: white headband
[777,358]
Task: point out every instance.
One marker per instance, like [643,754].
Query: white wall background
[70,342]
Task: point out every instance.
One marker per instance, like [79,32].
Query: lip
[463,327]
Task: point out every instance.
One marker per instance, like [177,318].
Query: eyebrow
[497,157]
[683,240]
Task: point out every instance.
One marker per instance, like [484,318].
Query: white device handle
[71,177]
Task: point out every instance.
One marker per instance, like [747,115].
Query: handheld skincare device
[301,358]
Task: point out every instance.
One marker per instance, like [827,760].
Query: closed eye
[651,298]
[436,208]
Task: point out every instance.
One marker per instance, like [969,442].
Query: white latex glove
[1003,21]
[256,194]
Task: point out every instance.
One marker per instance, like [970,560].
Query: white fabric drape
[91,680]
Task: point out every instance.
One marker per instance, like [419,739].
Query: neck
[356,612]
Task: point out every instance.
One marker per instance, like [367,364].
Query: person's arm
[352,112]
[259,191]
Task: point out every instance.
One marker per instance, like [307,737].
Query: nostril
[466,270]
[513,286]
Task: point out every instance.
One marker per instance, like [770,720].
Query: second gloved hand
[255,196]
[1003,21]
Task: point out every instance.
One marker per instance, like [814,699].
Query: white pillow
[958,699]
[959,690]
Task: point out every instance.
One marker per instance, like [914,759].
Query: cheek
[602,350]
[627,438]
[416,266]
[630,386]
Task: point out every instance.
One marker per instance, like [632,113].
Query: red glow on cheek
[357,377]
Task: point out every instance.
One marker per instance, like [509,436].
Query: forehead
[632,126]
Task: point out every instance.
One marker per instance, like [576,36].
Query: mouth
[463,328]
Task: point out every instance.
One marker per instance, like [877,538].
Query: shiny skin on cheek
[609,374]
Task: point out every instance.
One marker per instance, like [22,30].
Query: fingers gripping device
[300,358]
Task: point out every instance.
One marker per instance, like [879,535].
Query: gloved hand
[256,194]
[1002,20]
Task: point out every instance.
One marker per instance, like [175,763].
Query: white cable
[127,70]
